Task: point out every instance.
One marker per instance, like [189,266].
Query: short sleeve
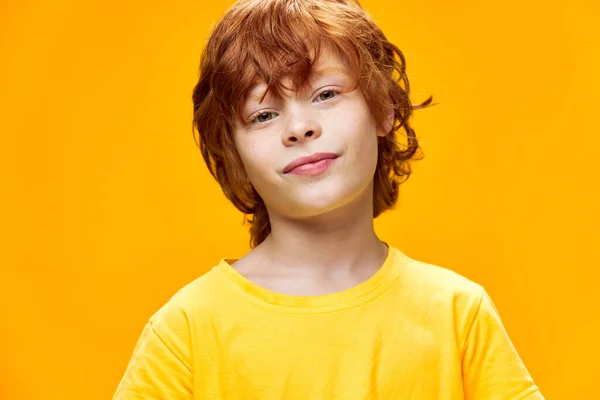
[160,365]
[491,366]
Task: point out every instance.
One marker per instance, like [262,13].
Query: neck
[341,240]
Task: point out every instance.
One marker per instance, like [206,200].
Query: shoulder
[438,280]
[441,291]
[444,299]
[162,362]
[189,305]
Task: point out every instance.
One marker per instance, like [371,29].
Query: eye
[327,94]
[264,116]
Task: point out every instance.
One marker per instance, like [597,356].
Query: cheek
[257,161]
[361,138]
[366,156]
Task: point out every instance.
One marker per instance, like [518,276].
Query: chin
[317,202]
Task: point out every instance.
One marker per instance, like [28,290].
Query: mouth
[311,165]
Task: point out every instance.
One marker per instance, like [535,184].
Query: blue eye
[264,116]
[328,94]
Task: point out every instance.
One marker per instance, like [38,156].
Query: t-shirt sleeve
[160,365]
[491,366]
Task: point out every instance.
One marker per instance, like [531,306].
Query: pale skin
[322,236]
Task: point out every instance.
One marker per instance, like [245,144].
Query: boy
[298,108]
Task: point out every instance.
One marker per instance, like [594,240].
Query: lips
[313,158]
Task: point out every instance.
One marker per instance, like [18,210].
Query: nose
[302,126]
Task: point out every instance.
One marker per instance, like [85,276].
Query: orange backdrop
[107,209]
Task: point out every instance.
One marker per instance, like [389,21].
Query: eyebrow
[331,70]
[315,74]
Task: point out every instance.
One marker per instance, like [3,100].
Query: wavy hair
[268,40]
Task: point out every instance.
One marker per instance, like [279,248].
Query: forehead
[327,63]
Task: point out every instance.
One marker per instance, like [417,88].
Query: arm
[492,369]
[160,365]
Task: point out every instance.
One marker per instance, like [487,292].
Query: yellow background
[107,209]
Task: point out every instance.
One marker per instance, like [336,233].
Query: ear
[388,123]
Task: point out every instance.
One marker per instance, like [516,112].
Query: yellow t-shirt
[411,331]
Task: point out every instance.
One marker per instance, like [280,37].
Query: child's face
[322,117]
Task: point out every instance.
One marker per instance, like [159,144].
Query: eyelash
[253,118]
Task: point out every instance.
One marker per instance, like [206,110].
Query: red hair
[268,40]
